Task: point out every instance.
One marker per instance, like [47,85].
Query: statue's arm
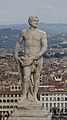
[44,44]
[18,43]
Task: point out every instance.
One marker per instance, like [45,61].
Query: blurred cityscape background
[53,79]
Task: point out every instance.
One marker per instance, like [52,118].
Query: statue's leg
[25,82]
[37,78]
[20,71]
[27,73]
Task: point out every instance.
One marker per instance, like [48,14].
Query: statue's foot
[30,98]
[21,100]
[37,101]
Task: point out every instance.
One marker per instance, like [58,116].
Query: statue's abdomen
[32,47]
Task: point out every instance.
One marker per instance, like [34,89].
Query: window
[42,98]
[0,100]
[58,104]
[2,87]
[46,98]
[11,106]
[11,112]
[4,106]
[16,87]
[54,104]
[65,105]
[65,98]
[7,106]
[19,95]
[50,104]
[62,98]
[50,98]
[15,95]
[11,100]
[54,99]
[16,100]
[58,99]
[7,95]
[46,105]
[4,100]
[61,104]
[15,106]
[0,107]
[8,100]
[65,110]
[3,95]
[42,94]
[12,87]
[19,87]
[11,95]
[46,94]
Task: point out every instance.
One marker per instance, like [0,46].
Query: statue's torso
[32,42]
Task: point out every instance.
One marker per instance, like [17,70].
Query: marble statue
[30,65]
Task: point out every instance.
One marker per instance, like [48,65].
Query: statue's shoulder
[42,32]
[23,32]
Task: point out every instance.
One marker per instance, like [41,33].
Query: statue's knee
[37,76]
[26,78]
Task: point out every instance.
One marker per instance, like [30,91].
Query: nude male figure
[35,45]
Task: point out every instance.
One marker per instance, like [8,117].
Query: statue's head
[33,21]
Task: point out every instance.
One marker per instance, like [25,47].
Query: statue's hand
[37,57]
[26,60]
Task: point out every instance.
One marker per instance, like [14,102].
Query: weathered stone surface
[30,115]
[29,68]
[30,64]
[27,105]
[28,118]
[30,111]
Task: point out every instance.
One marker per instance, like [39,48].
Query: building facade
[9,99]
[54,100]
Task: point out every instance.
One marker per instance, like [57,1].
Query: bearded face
[33,21]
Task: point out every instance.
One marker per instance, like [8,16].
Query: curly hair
[32,18]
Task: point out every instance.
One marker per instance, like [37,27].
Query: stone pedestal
[30,111]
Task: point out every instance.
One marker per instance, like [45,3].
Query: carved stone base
[30,111]
[27,105]
[29,118]
[30,115]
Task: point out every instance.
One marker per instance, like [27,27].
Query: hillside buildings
[52,89]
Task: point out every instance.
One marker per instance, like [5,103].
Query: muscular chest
[32,38]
